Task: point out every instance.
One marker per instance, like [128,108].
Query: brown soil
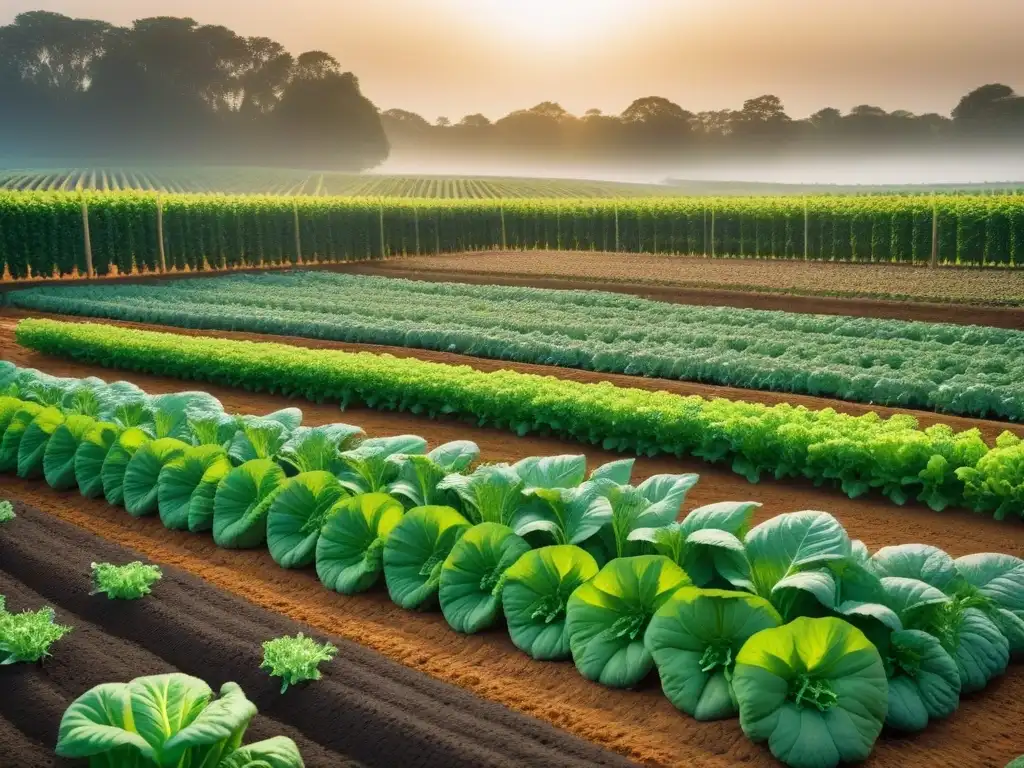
[366,711]
[643,275]
[9,350]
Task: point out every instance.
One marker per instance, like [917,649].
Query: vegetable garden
[47,234]
[812,640]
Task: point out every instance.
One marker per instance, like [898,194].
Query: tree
[475,121]
[442,122]
[985,102]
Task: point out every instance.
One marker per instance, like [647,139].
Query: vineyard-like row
[271,181]
[859,454]
[791,625]
[43,233]
[971,371]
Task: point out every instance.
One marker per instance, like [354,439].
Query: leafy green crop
[295,659]
[6,512]
[415,552]
[165,721]
[350,550]
[27,636]
[124,582]
[856,453]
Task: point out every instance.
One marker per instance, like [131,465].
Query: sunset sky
[453,57]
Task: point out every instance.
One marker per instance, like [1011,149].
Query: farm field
[640,724]
[271,181]
[964,370]
[611,271]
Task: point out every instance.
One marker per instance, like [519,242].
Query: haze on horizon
[456,57]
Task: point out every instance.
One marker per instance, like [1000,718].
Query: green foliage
[165,721]
[6,512]
[296,515]
[856,453]
[295,659]
[27,636]
[350,550]
[415,552]
[124,582]
[242,503]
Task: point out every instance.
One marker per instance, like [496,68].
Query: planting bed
[949,294]
[366,711]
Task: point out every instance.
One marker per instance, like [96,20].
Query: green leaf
[170,412]
[924,683]
[179,479]
[259,438]
[350,551]
[814,689]
[13,433]
[91,454]
[367,469]
[116,462]
[694,639]
[617,472]
[415,553]
[141,476]
[201,503]
[32,448]
[242,502]
[917,561]
[59,458]
[568,515]
[297,514]
[473,576]
[537,589]
[277,752]
[312,449]
[999,581]
[606,617]
[552,471]
[491,494]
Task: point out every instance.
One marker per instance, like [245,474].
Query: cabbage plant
[695,638]
[91,453]
[655,503]
[18,421]
[492,493]
[296,514]
[312,449]
[606,617]
[417,476]
[367,469]
[32,447]
[241,504]
[350,550]
[180,479]
[116,462]
[168,721]
[473,576]
[415,551]
[59,456]
[537,590]
[814,689]
[142,474]
[261,437]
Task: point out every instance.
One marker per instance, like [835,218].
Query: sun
[548,22]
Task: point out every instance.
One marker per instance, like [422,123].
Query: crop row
[859,454]
[966,370]
[789,624]
[43,232]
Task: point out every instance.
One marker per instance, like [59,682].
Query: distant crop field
[270,181]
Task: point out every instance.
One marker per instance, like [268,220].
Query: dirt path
[366,711]
[9,350]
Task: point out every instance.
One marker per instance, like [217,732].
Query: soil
[9,350]
[366,711]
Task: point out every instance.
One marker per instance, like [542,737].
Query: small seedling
[6,512]
[124,582]
[27,636]
[295,659]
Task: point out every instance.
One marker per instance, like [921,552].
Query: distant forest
[172,91]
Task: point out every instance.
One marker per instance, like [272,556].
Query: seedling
[295,659]
[124,582]
[6,512]
[27,636]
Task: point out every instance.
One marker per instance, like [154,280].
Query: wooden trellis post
[87,240]
[160,232]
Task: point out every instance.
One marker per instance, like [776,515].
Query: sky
[455,57]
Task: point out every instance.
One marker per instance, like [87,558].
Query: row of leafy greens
[788,624]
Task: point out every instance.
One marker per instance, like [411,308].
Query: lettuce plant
[59,455]
[32,448]
[18,422]
[537,589]
[296,515]
[367,469]
[124,582]
[655,503]
[242,503]
[417,476]
[350,550]
[27,636]
[695,638]
[607,616]
[415,551]
[313,449]
[473,576]
[91,453]
[116,462]
[142,474]
[168,721]
[814,689]
[295,659]
[492,493]
[180,479]
[6,512]
[261,437]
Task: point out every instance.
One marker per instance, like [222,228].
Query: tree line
[172,90]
